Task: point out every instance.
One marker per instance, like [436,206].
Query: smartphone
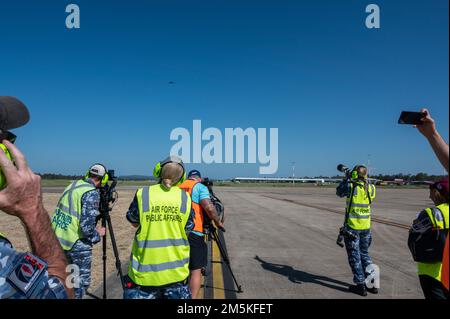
[411,118]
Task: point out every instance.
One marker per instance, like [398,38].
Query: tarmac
[281,243]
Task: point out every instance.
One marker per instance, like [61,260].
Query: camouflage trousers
[175,291]
[83,259]
[358,254]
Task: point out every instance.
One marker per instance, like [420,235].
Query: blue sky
[333,88]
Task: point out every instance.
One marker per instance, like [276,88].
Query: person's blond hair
[171,173]
[362,171]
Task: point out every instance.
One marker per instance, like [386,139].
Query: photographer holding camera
[204,208]
[40,274]
[356,230]
[74,223]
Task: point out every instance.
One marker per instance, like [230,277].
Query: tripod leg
[115,250]
[104,260]
[225,258]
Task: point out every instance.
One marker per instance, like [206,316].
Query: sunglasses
[5,135]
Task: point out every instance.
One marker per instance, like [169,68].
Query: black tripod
[214,235]
[108,195]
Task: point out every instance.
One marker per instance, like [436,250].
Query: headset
[5,135]
[105,178]
[2,176]
[171,159]
[355,173]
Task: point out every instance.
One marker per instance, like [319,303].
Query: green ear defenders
[105,178]
[5,135]
[170,159]
[355,174]
[2,176]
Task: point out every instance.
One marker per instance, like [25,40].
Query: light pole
[293,172]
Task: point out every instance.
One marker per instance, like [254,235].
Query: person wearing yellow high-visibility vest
[74,223]
[357,237]
[159,265]
[430,273]
[440,147]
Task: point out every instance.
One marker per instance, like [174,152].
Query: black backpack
[428,246]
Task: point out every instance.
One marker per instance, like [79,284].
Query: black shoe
[372,290]
[358,289]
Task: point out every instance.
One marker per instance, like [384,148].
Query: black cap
[13,113]
[194,172]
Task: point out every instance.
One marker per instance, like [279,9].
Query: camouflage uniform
[43,287]
[358,254]
[174,291]
[81,252]
[358,247]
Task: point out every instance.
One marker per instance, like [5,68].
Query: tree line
[53,176]
[421,177]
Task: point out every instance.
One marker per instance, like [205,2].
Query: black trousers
[432,288]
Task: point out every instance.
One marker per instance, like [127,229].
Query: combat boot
[358,289]
[372,290]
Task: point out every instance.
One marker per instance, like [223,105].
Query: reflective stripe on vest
[188,185]
[359,211]
[66,220]
[160,253]
[440,214]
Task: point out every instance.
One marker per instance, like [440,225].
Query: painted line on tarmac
[218,284]
[217,273]
[374,219]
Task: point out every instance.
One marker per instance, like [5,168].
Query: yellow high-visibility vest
[358,207]
[160,253]
[437,216]
[66,220]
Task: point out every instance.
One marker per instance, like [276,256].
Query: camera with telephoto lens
[108,194]
[207,222]
[344,169]
[343,233]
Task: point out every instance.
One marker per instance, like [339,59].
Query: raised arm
[440,147]
[22,198]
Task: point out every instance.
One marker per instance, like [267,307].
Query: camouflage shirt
[90,202]
[343,189]
[16,271]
